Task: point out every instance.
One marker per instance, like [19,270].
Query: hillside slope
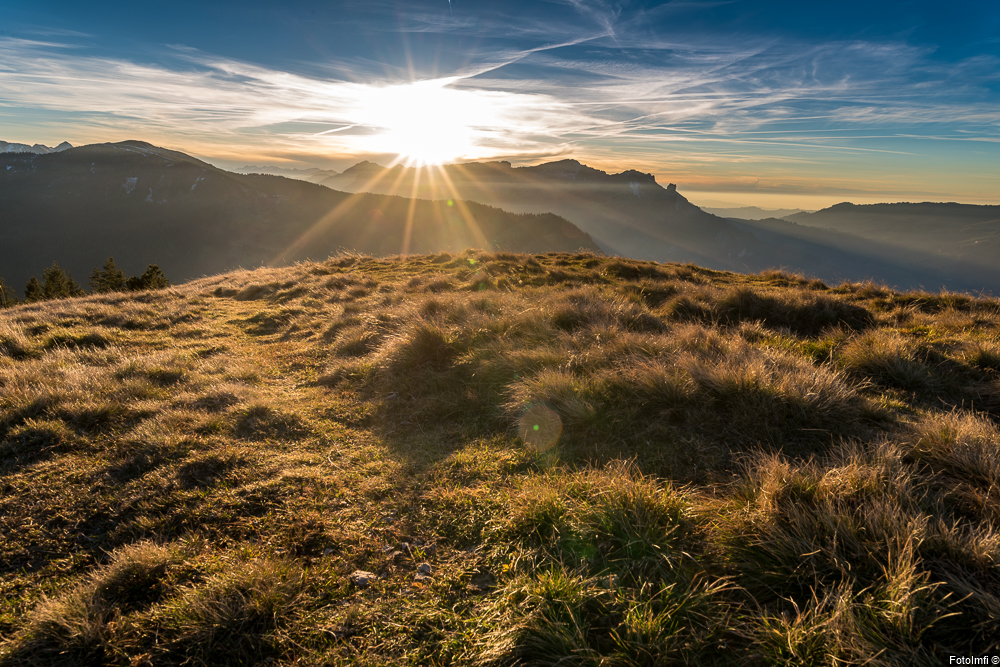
[500,459]
[838,256]
[959,240]
[143,204]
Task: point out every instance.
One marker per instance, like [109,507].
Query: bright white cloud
[663,106]
[211,97]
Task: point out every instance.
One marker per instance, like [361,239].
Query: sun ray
[410,211]
[396,184]
[465,213]
[310,235]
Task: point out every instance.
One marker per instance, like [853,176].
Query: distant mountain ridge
[7,147]
[302,174]
[752,212]
[628,213]
[950,239]
[145,204]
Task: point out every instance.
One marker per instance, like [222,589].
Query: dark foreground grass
[543,460]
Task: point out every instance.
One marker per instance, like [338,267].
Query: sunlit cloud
[208,98]
[599,86]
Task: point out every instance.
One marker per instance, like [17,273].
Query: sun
[425,122]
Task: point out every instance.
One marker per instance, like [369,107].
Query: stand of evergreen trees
[58,284]
[112,279]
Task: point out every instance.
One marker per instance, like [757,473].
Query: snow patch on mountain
[8,147]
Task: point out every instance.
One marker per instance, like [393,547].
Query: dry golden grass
[603,461]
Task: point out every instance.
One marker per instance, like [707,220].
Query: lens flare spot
[540,428]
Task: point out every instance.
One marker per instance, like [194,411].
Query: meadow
[544,459]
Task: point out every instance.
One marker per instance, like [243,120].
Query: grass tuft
[235,617]
[260,421]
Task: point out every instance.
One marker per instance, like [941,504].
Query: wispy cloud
[48,31]
[598,83]
[205,98]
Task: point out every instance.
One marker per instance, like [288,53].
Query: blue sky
[767,103]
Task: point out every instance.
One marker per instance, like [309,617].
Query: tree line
[58,284]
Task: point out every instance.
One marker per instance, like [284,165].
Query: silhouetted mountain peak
[574,170]
[565,169]
[634,176]
[563,164]
[363,167]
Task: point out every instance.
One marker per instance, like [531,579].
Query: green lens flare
[540,428]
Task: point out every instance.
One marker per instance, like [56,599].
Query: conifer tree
[33,291]
[7,296]
[57,284]
[152,278]
[108,279]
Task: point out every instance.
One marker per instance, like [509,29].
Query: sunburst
[425,122]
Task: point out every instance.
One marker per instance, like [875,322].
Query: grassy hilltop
[541,459]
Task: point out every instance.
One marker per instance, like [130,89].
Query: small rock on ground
[424,568]
[362,579]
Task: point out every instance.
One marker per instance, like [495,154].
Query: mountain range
[144,204]
[628,213]
[631,214]
[953,239]
[7,147]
